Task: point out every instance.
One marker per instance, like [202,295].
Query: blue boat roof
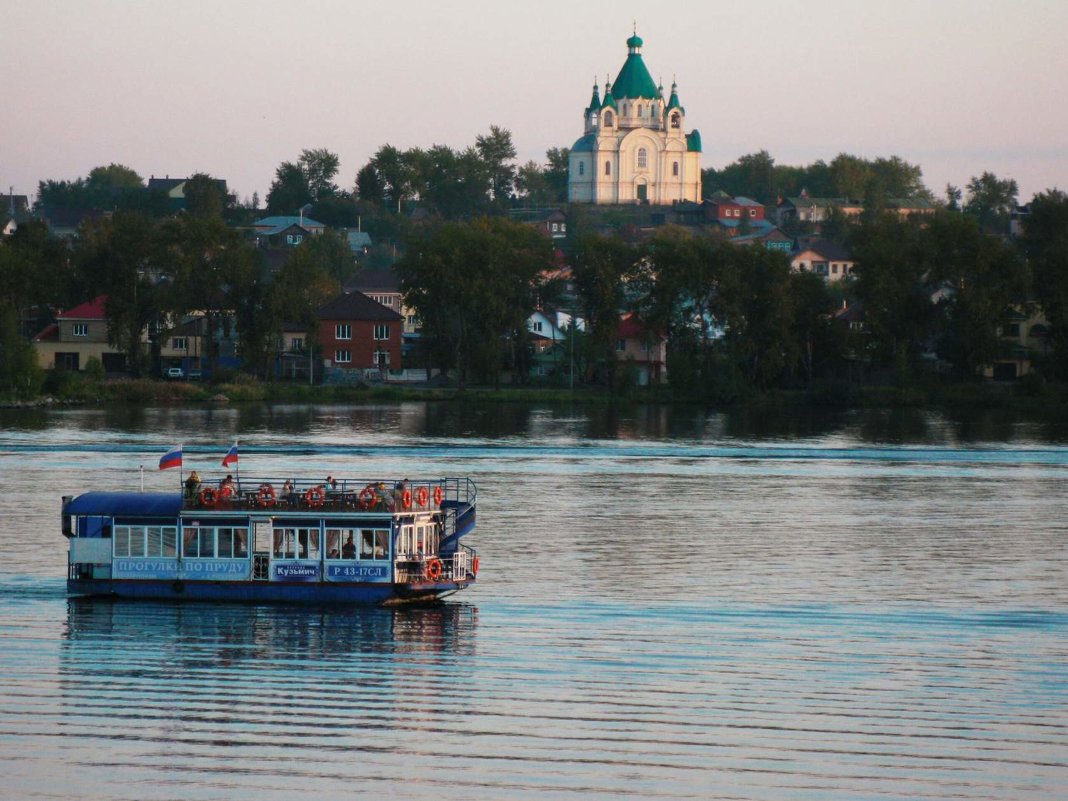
[135,504]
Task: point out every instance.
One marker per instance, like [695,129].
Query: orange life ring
[208,498]
[368,497]
[433,569]
[422,496]
[265,496]
[314,497]
[406,499]
[474,566]
[439,495]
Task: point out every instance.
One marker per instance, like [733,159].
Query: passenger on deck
[289,493]
[192,485]
[227,482]
[348,549]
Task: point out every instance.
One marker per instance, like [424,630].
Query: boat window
[296,543]
[374,543]
[341,543]
[145,541]
[208,542]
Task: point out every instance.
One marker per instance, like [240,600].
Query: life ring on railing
[439,495]
[474,566]
[314,497]
[367,497]
[265,497]
[433,569]
[208,498]
[422,496]
[406,499]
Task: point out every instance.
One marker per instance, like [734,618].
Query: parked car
[174,372]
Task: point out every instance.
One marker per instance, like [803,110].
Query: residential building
[635,148]
[357,333]
[285,231]
[78,335]
[824,258]
[644,349]
[551,222]
[1023,331]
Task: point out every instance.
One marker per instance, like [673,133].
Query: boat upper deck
[272,494]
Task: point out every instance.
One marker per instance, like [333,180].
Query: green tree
[116,256]
[289,191]
[890,284]
[987,275]
[601,268]
[204,196]
[208,268]
[319,167]
[991,201]
[369,185]
[473,286]
[556,172]
[497,153]
[1045,243]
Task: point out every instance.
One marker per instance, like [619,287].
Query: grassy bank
[79,390]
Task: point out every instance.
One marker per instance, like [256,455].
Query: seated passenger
[348,550]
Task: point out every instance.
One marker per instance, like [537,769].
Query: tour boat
[267,539]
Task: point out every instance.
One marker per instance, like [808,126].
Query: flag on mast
[172,458]
[231,456]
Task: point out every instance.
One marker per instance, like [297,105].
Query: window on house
[643,158]
[342,331]
[536,326]
[675,169]
[556,226]
[608,168]
[81,329]
[342,356]
[382,359]
[752,212]
[297,343]
[1012,330]
[179,343]
[563,227]
[621,345]
[413,319]
[646,347]
[381,332]
[834,269]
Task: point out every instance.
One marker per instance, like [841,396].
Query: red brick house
[356,333]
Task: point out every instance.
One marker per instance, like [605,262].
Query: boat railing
[414,568]
[269,494]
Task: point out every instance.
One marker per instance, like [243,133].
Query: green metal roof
[634,79]
[693,141]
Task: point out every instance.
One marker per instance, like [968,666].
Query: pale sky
[235,87]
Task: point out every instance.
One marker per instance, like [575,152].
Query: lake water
[671,604]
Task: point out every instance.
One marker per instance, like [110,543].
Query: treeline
[931,290]
[155,273]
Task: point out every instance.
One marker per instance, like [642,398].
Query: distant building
[828,260]
[635,148]
[357,333]
[78,335]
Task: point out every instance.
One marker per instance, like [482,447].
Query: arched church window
[643,158]
[675,169]
[608,119]
[675,119]
[582,168]
[608,168]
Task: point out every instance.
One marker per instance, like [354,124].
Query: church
[635,148]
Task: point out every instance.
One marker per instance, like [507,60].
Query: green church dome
[634,80]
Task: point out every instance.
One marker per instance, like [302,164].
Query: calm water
[672,604]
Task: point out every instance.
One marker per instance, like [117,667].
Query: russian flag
[231,456]
[172,458]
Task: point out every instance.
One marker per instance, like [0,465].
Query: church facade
[635,148]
